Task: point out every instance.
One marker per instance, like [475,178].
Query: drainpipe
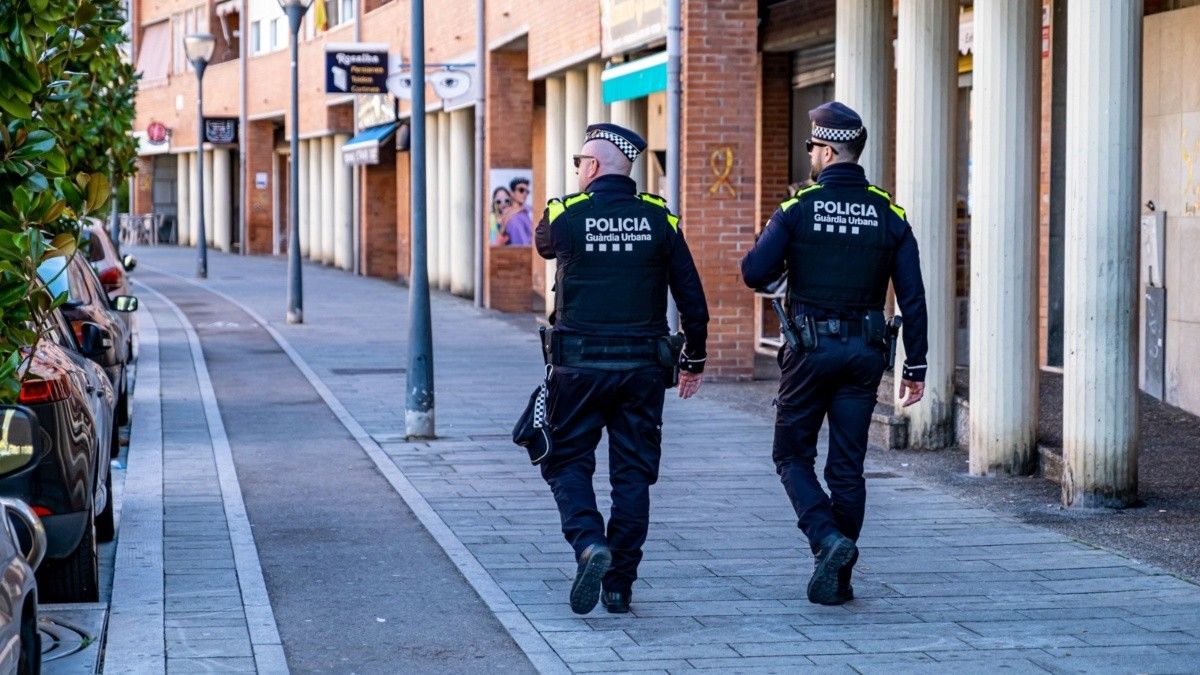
[243,193]
[674,103]
[480,119]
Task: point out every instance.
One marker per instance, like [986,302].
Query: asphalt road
[356,583]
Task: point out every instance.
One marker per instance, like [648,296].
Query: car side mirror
[20,438]
[33,526]
[96,340]
[125,303]
[129,262]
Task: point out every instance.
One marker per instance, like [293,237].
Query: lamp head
[199,47]
[301,4]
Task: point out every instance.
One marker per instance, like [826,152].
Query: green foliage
[66,107]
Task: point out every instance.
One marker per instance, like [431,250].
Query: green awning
[635,79]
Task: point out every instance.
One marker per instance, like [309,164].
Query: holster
[669,350]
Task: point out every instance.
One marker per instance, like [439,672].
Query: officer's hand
[911,392]
[689,383]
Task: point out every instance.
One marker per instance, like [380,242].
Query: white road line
[539,652]
[136,619]
[260,618]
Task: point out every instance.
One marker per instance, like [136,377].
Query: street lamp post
[199,48]
[418,408]
[294,9]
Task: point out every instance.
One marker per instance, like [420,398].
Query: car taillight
[34,392]
[42,511]
[110,278]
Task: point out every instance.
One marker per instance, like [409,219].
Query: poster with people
[510,215]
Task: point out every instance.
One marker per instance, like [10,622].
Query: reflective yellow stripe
[555,208]
[673,220]
[884,193]
[796,198]
[653,199]
[575,199]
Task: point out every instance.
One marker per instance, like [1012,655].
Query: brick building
[967,104]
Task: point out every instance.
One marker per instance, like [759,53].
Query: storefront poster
[510,210]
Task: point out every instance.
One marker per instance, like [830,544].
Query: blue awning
[371,137]
[635,79]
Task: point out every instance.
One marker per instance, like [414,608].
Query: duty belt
[604,353]
[840,327]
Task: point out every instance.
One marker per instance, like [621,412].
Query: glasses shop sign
[356,68]
[221,130]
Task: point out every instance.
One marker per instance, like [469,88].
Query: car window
[84,281]
[92,245]
[53,273]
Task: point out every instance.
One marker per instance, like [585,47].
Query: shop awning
[635,79]
[154,53]
[363,148]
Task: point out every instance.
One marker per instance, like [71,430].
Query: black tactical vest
[840,256]
[615,280]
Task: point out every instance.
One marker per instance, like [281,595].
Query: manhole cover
[368,371]
[61,639]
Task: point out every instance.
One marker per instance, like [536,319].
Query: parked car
[70,486]
[111,269]
[100,331]
[20,644]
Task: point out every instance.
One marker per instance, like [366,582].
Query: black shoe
[834,553]
[593,564]
[616,602]
[845,590]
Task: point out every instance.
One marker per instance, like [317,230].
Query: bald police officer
[618,253]
[839,241]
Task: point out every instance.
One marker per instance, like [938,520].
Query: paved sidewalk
[943,586]
[187,591]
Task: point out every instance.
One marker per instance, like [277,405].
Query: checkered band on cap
[628,149]
[836,135]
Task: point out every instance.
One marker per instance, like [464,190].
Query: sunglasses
[579,158]
[810,144]
[503,202]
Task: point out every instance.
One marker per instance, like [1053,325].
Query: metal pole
[201,243]
[418,408]
[480,135]
[114,220]
[295,311]
[674,104]
[243,193]
[356,171]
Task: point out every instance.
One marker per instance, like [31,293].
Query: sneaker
[834,553]
[593,564]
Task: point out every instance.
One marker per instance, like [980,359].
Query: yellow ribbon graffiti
[721,172]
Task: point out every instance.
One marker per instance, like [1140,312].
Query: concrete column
[639,121]
[927,54]
[329,210]
[193,199]
[209,202]
[462,196]
[1005,151]
[1103,183]
[315,190]
[862,74]
[556,104]
[183,198]
[343,206]
[302,213]
[576,124]
[433,200]
[445,204]
[222,217]
[619,113]
[597,111]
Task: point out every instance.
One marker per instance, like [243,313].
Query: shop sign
[626,25]
[361,156]
[356,68]
[221,130]
[156,133]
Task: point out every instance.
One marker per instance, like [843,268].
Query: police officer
[840,241]
[618,253]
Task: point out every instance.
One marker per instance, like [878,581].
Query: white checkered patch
[628,149]
[836,135]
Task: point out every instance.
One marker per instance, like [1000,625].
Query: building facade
[1030,208]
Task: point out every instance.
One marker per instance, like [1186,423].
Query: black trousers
[582,402]
[838,380]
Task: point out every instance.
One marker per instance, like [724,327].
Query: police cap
[629,143]
[836,122]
